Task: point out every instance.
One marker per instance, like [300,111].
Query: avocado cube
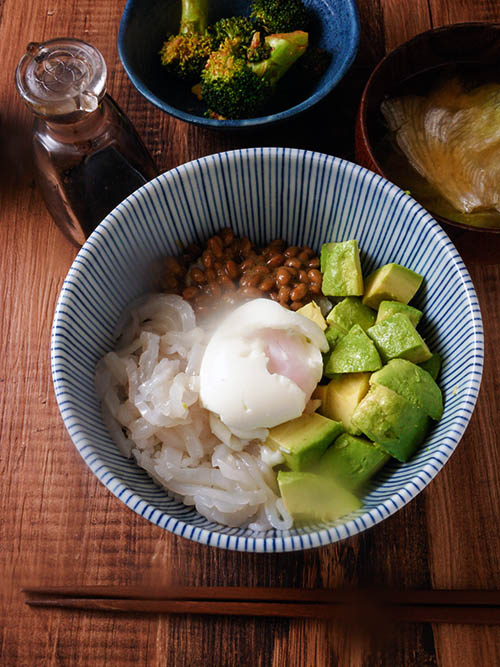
[351,311]
[341,269]
[355,353]
[396,337]
[304,440]
[413,383]
[432,365]
[313,312]
[310,497]
[333,335]
[341,397]
[391,282]
[391,421]
[352,461]
[388,308]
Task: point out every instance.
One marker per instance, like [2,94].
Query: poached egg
[260,367]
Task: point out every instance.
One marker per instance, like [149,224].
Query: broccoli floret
[275,16]
[186,53]
[235,88]
[235,27]
[229,86]
[286,48]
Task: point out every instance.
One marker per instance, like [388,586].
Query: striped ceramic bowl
[305,198]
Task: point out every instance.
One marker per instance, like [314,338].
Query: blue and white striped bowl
[304,198]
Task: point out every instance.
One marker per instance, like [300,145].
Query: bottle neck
[80,126]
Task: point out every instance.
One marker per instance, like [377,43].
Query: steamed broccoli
[286,48]
[229,86]
[232,87]
[240,59]
[275,16]
[235,27]
[185,54]
[249,44]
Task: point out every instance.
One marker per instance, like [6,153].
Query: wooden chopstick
[273,594]
[417,606]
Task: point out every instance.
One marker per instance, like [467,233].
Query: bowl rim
[271,544]
[241,123]
[363,105]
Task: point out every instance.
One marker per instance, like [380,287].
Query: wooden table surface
[59,525]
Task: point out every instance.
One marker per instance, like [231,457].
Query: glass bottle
[87,155]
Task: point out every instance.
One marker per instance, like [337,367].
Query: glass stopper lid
[61,76]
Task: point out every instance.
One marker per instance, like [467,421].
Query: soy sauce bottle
[87,155]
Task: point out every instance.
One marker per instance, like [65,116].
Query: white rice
[149,386]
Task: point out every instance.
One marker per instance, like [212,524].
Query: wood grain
[59,525]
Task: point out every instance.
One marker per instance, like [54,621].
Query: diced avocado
[310,497]
[313,312]
[341,269]
[333,335]
[391,282]
[351,311]
[432,365]
[391,421]
[352,461]
[355,353]
[413,383]
[396,337]
[388,308]
[342,395]
[344,316]
[304,440]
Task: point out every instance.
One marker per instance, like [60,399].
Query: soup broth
[466,79]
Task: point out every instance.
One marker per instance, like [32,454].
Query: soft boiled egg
[260,367]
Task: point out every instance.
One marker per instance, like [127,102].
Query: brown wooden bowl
[477,42]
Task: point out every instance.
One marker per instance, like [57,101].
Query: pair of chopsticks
[409,606]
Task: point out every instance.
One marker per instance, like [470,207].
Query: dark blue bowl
[146,23]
